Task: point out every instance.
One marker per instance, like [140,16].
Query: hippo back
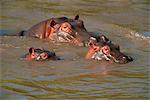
[40,28]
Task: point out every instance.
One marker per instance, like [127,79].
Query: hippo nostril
[94,48]
[130,58]
[90,44]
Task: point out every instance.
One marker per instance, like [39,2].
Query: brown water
[125,22]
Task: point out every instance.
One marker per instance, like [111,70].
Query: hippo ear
[103,38]
[31,50]
[76,17]
[52,23]
[92,41]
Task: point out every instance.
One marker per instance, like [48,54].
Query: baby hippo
[99,51]
[40,55]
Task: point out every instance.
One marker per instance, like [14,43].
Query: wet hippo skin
[40,55]
[60,29]
[106,51]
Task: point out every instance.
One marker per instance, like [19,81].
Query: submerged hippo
[40,55]
[107,51]
[60,29]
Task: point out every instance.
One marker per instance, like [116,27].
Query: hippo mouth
[69,37]
[65,37]
[121,60]
[100,56]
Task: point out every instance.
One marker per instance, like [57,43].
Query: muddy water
[125,22]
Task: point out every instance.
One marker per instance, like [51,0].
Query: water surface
[125,22]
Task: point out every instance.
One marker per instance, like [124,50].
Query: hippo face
[71,30]
[79,31]
[64,29]
[39,54]
[64,33]
[108,52]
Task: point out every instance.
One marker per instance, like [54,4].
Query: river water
[125,22]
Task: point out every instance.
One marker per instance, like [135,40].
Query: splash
[140,35]
[131,33]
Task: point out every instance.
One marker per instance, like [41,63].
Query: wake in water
[130,33]
[140,36]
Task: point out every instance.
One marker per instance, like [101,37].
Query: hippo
[40,55]
[60,29]
[106,51]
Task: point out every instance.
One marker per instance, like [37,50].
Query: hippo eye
[90,44]
[106,49]
[94,48]
[65,27]
[93,44]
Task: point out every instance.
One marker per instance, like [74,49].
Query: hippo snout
[125,59]
[129,59]
[119,57]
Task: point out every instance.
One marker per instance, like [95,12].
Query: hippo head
[40,54]
[79,30]
[71,30]
[107,51]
